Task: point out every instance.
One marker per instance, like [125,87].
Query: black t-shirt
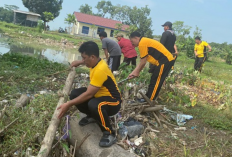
[168,39]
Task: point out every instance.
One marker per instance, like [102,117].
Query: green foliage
[41,6]
[104,7]
[137,18]
[6,13]
[32,123]
[131,29]
[118,26]
[70,19]
[229,57]
[26,73]
[40,26]
[48,16]
[180,28]
[86,9]
[197,32]
[189,46]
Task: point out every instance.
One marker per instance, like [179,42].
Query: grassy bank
[26,34]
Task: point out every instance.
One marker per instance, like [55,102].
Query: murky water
[60,56]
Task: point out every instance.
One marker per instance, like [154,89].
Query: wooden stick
[157,119]
[146,98]
[83,140]
[152,109]
[6,127]
[2,112]
[74,148]
[59,72]
[51,131]
[163,121]
[150,103]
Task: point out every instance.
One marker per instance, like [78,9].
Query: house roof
[26,12]
[98,21]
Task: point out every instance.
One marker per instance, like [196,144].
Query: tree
[93,27]
[131,29]
[197,32]
[180,28]
[6,13]
[70,19]
[47,17]
[86,9]
[139,17]
[41,6]
[11,7]
[105,7]
[118,27]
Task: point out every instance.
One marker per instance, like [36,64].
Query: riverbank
[205,96]
[50,39]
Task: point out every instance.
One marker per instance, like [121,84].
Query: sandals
[86,120]
[107,139]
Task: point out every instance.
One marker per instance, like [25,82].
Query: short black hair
[103,34]
[135,34]
[197,38]
[89,48]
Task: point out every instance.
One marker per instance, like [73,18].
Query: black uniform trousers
[129,61]
[159,74]
[198,63]
[98,108]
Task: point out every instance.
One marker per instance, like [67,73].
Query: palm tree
[70,19]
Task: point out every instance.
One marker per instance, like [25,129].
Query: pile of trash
[135,132]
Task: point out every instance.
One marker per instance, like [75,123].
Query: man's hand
[76,63]
[133,75]
[210,50]
[63,109]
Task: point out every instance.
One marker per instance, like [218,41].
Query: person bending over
[100,99]
[111,47]
[155,53]
[128,50]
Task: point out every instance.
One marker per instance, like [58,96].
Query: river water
[60,56]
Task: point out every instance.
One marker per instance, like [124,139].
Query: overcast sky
[214,17]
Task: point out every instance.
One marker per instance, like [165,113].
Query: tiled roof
[98,21]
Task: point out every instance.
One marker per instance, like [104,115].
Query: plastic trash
[180,119]
[66,129]
[122,131]
[138,141]
[133,127]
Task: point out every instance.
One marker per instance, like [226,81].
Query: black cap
[169,24]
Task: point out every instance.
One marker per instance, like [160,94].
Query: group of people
[102,97]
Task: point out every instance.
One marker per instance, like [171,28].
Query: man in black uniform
[168,38]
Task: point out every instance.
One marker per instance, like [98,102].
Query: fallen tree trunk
[90,147]
[22,101]
[51,131]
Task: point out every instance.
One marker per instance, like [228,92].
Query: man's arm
[209,47]
[139,68]
[91,91]
[175,48]
[106,54]
[163,38]
[77,63]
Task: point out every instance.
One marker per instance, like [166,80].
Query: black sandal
[107,139]
[86,120]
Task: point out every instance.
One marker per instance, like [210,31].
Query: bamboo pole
[46,145]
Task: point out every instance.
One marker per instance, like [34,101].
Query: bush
[40,26]
[229,58]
